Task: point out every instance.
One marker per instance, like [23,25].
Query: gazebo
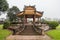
[30,12]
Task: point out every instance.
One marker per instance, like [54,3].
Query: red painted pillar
[38,20]
[34,19]
[25,19]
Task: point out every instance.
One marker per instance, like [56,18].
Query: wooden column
[34,19]
[38,20]
[25,19]
[34,16]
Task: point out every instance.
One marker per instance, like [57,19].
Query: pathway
[28,37]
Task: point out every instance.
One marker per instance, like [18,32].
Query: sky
[51,8]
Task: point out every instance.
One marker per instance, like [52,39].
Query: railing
[24,25]
[23,28]
[35,29]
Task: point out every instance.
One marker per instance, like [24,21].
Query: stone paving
[28,37]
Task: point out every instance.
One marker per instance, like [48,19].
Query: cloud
[51,8]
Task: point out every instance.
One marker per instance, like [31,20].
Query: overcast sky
[51,8]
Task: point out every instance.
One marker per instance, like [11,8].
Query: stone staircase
[29,30]
[28,37]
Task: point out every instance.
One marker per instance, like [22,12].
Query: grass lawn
[1,26]
[54,34]
[4,33]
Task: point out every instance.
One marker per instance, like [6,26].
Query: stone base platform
[28,37]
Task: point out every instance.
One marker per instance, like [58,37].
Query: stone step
[29,30]
[26,37]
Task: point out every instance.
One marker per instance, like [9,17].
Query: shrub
[53,24]
[6,24]
[59,21]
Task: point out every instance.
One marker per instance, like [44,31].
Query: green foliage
[11,16]
[12,13]
[54,34]
[58,27]
[53,24]
[14,9]
[6,24]
[59,21]
[1,26]
[3,5]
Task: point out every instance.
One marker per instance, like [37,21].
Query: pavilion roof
[29,13]
[30,10]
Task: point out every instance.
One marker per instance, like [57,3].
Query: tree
[12,13]
[3,6]
[43,21]
[14,9]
